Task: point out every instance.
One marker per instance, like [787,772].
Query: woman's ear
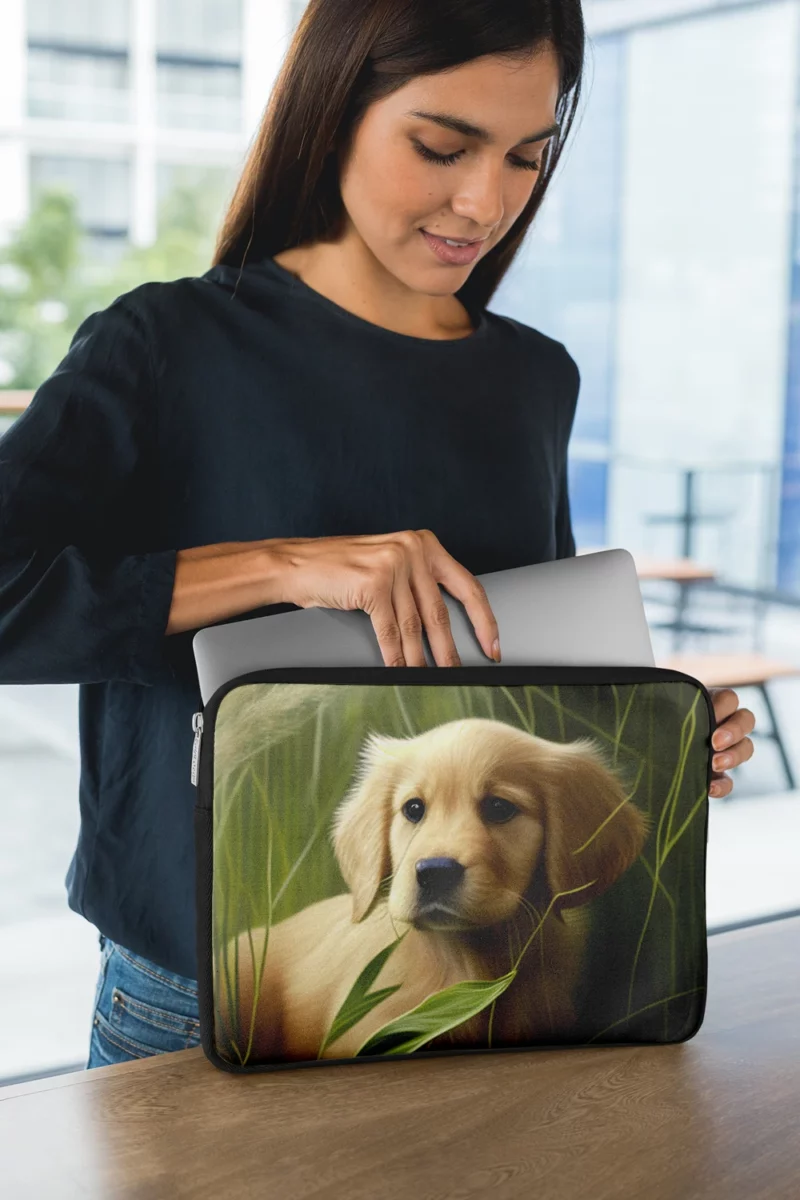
[593,834]
[360,831]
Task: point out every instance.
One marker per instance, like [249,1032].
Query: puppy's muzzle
[438,878]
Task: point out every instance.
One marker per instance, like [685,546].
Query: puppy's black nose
[438,876]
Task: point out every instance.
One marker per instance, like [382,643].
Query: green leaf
[435,1015]
[359,1000]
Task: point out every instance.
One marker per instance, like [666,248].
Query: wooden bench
[12,403]
[740,671]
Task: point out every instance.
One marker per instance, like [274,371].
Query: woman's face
[392,192]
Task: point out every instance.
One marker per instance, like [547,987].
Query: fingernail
[721,761]
[496,650]
[723,739]
[714,789]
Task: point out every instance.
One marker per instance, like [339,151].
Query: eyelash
[447,160]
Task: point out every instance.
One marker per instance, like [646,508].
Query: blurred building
[664,257]
[120,99]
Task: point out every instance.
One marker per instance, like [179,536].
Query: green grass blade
[360,1000]
[644,1009]
[436,1015]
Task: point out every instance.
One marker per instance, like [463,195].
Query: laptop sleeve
[418,861]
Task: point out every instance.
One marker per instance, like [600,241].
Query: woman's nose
[481,199]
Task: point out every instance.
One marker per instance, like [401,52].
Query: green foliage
[51,279]
[42,296]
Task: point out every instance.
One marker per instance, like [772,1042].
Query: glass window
[80,22]
[101,187]
[202,28]
[69,86]
[78,67]
[198,71]
[197,95]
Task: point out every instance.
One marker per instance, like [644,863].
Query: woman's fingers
[466,587]
[408,607]
[738,753]
[726,702]
[387,629]
[733,729]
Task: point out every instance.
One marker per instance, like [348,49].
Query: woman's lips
[454,255]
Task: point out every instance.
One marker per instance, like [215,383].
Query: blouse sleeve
[565,539]
[81,598]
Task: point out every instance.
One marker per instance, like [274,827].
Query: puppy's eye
[496,809]
[414,809]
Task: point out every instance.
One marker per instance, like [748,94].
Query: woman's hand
[730,741]
[395,578]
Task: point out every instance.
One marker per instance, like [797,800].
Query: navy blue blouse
[238,406]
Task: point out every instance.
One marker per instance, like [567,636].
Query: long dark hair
[345,55]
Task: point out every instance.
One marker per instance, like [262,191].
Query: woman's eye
[414,810]
[447,160]
[496,809]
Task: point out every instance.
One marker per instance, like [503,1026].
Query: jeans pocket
[145,1010]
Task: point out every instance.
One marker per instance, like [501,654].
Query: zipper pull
[197,726]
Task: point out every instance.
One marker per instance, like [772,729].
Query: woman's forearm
[222,580]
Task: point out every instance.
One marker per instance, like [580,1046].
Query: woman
[328,417]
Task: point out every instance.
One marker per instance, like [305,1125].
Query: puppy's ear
[593,834]
[361,824]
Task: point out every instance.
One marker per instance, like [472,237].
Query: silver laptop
[583,611]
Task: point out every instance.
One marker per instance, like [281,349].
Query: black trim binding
[500,676]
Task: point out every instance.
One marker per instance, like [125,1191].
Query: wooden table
[716,1117]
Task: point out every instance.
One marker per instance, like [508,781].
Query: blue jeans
[140,1009]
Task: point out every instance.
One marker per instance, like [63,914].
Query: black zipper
[499,675]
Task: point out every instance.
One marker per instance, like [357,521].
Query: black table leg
[787,766]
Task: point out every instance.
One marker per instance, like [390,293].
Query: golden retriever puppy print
[475,847]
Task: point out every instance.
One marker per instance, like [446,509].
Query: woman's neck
[350,278]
